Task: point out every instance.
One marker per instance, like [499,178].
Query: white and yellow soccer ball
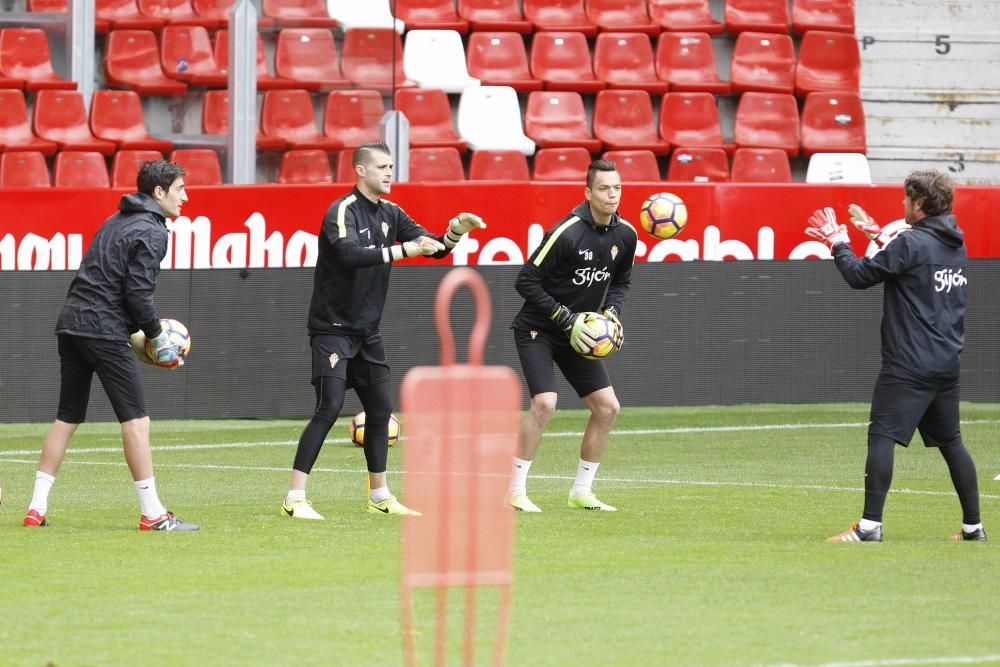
[179,336]
[886,236]
[663,215]
[609,337]
[357,430]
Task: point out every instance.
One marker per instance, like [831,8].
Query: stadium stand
[838,168]
[265,80]
[430,15]
[623,120]
[495,15]
[833,123]
[493,165]
[764,62]
[635,166]
[685,16]
[174,13]
[132,61]
[561,164]
[60,116]
[625,60]
[116,116]
[343,169]
[621,16]
[828,61]
[429,113]
[352,116]
[301,167]
[761,165]
[701,165]
[756,15]
[186,55]
[436,164]
[686,60]
[833,15]
[214,10]
[366,15]
[692,120]
[308,56]
[201,165]
[125,15]
[25,57]
[500,59]
[80,169]
[302,13]
[125,166]
[215,121]
[559,15]
[436,59]
[24,169]
[562,61]
[489,118]
[367,59]
[767,120]
[288,114]
[15,125]
[558,119]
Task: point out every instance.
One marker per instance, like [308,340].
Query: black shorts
[903,403]
[112,360]
[360,362]
[538,350]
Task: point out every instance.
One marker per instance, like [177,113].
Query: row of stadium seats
[308,58]
[646,16]
[88,169]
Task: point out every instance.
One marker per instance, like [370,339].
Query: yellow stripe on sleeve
[552,239]
[341,214]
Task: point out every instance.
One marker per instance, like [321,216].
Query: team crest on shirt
[534,335]
[334,358]
[385,228]
[614,252]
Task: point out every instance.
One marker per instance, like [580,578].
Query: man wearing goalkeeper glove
[110,298]
[924,272]
[361,237]
[584,263]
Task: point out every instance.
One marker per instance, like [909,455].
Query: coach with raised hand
[924,271]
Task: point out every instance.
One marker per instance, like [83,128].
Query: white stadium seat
[838,168]
[364,14]
[436,59]
[489,118]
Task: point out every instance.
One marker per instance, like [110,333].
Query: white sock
[40,498]
[585,474]
[295,494]
[867,524]
[149,501]
[519,477]
[379,494]
[966,528]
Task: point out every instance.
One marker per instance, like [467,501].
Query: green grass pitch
[716,557]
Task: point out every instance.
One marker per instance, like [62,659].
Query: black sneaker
[977,535]
[855,534]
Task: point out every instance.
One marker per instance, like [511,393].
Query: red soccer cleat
[34,519]
[164,522]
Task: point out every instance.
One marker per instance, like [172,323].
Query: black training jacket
[111,296]
[579,264]
[925,275]
[352,277]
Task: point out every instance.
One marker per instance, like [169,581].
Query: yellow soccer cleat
[588,501]
[301,509]
[522,503]
[391,506]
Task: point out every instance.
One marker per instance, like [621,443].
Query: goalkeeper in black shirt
[584,263]
[362,235]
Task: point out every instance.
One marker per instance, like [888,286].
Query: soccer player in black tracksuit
[584,263]
[110,298]
[924,271]
[357,246]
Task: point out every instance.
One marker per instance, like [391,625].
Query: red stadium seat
[560,15]
[761,165]
[828,61]
[767,120]
[684,16]
[288,114]
[429,113]
[25,56]
[61,116]
[833,123]
[15,126]
[756,15]
[763,61]
[53,6]
[201,165]
[24,169]
[692,120]
[557,119]
[495,15]
[175,12]
[116,116]
[305,167]
[265,80]
[621,16]
[309,57]
[634,165]
[81,169]
[345,170]
[562,61]
[125,15]
[436,164]
[561,164]
[132,60]
[186,55]
[500,59]
[625,60]
[125,167]
[498,166]
[215,120]
[686,60]
[303,13]
[368,58]
[352,116]
[623,120]
[216,11]
[833,15]
[700,165]
[430,15]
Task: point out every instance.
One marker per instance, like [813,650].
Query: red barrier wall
[275,226]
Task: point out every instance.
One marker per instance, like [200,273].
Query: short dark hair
[361,153]
[157,172]
[596,166]
[932,189]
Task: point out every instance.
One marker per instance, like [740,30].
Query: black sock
[963,476]
[878,475]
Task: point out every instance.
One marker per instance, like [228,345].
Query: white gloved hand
[423,245]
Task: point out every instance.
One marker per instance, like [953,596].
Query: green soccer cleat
[522,503]
[391,506]
[588,501]
[301,509]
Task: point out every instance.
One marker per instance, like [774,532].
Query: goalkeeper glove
[423,245]
[617,331]
[137,341]
[459,226]
[162,352]
[574,325]
[863,222]
[824,228]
